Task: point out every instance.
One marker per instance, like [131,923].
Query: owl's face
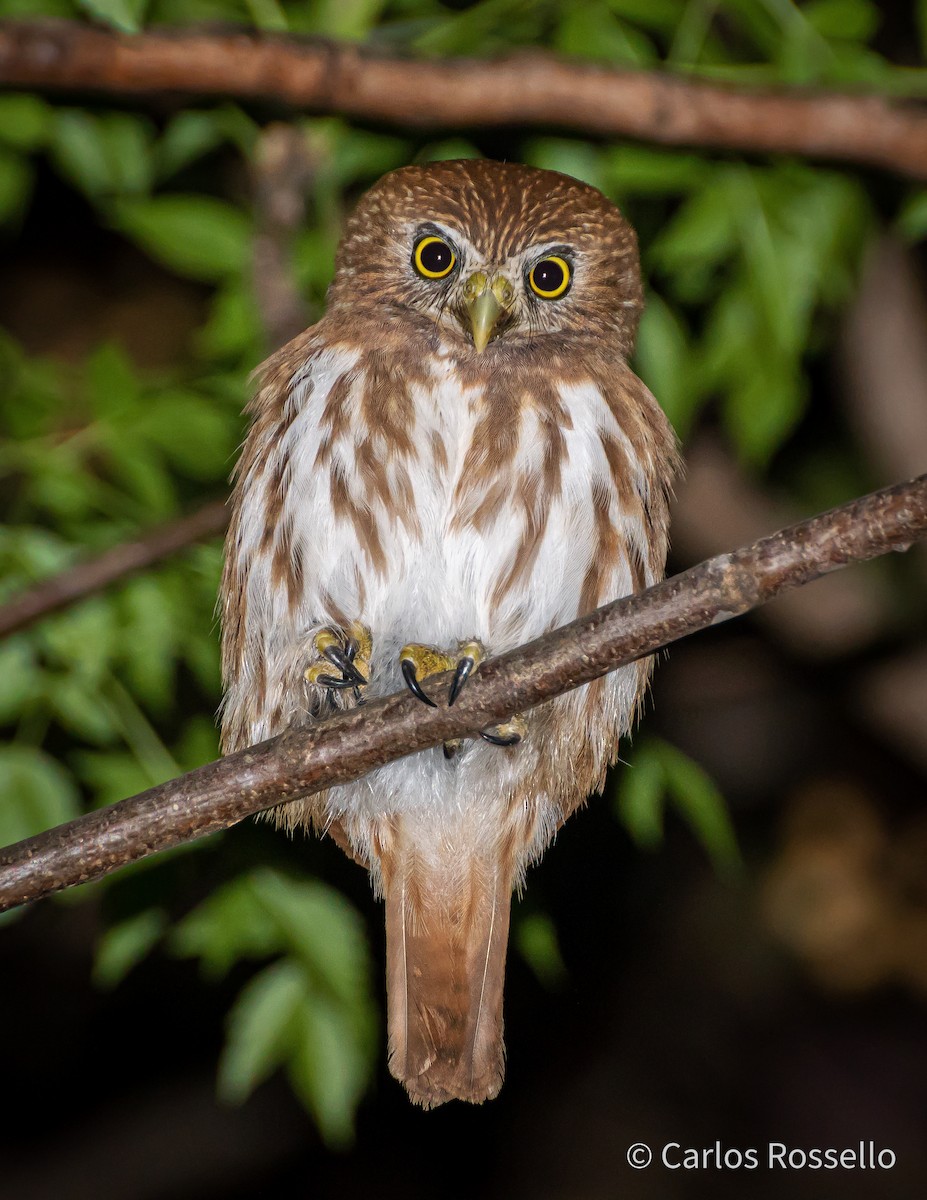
[483,254]
[458,283]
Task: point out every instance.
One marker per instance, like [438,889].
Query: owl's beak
[487,302]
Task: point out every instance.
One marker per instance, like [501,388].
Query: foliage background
[694,993]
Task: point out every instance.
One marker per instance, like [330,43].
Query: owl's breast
[438,509]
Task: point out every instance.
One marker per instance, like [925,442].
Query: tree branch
[281,174]
[82,580]
[350,744]
[531,89]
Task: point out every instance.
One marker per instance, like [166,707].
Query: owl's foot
[509,733]
[348,652]
[417,662]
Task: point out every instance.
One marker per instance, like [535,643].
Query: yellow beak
[487,302]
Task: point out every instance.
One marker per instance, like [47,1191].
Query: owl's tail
[447,925]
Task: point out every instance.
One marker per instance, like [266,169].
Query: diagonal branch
[529,89]
[57,592]
[350,744]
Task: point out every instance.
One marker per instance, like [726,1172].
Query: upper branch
[94,574]
[351,743]
[531,88]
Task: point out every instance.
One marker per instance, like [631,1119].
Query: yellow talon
[417,661]
[344,657]
[509,733]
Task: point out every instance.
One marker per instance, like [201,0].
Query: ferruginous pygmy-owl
[454,460]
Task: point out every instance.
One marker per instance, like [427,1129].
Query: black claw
[408,673]
[461,675]
[342,660]
[330,681]
[512,740]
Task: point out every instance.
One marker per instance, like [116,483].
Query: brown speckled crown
[503,208]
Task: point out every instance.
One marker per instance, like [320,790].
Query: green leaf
[449,148]
[233,328]
[314,259]
[36,793]
[912,219]
[230,925]
[149,638]
[193,433]
[15,185]
[196,236]
[79,707]
[661,15]
[20,676]
[61,487]
[484,28]
[699,802]
[199,743]
[329,1068]
[854,20]
[640,798]
[189,136]
[262,1028]
[124,945]
[238,128]
[111,383]
[536,939]
[25,121]
[111,775]
[124,15]
[646,171]
[589,30]
[81,638]
[657,770]
[79,151]
[129,146]
[348,19]
[665,362]
[704,231]
[110,154]
[348,155]
[28,554]
[33,387]
[321,928]
[579,159]
[730,339]
[314,1010]
[764,407]
[138,467]
[267,16]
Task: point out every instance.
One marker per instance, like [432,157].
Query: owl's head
[489,254]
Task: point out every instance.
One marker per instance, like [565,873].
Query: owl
[454,460]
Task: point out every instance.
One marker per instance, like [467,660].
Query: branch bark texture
[530,89]
[350,744]
[91,576]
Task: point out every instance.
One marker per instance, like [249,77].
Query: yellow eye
[550,278]
[433,258]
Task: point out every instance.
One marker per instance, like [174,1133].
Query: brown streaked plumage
[455,459]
